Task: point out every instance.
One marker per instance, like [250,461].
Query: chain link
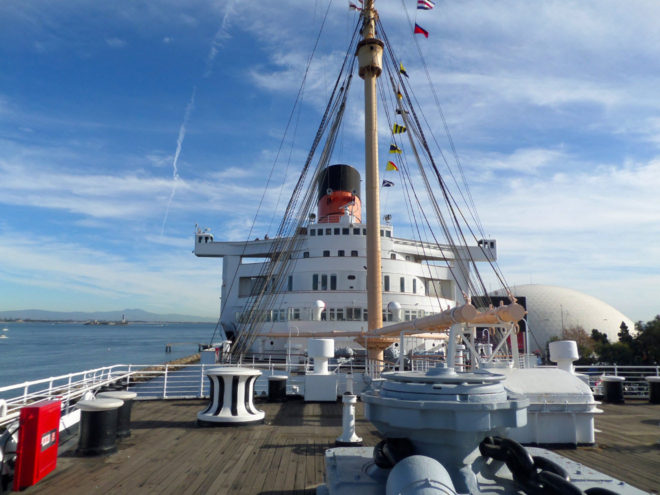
[536,475]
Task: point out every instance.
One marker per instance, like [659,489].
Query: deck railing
[162,381]
[67,388]
[176,381]
[635,386]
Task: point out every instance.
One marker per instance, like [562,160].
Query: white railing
[67,388]
[635,386]
[163,381]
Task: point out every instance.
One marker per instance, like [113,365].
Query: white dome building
[551,308]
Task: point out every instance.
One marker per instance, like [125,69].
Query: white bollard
[348,437]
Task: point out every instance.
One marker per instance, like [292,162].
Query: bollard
[276,388]
[654,389]
[613,386]
[124,413]
[98,426]
[348,437]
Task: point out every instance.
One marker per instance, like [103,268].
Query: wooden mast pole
[370,54]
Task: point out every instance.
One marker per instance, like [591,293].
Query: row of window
[326,253]
[328,314]
[345,231]
[325,281]
[341,253]
[251,286]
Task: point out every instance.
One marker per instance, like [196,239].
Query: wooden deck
[168,453]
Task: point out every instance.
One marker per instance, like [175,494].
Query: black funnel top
[339,178]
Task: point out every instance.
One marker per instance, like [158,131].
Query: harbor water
[31,351]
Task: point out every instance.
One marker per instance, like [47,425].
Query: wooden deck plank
[169,453]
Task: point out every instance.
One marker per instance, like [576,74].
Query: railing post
[201,380]
[165,382]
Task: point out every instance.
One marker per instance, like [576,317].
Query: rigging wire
[275,161]
[288,239]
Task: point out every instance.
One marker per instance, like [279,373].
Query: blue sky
[123,124]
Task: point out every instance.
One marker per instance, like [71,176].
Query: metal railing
[163,381]
[635,386]
[176,381]
[67,388]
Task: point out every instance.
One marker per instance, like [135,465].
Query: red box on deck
[38,437]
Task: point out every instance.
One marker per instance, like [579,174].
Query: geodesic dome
[551,308]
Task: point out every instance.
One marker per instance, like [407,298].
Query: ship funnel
[339,194]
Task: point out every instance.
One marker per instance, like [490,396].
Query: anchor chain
[536,475]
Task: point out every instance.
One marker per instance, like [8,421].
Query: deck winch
[445,415]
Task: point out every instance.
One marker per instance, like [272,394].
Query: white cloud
[116,42]
[159,280]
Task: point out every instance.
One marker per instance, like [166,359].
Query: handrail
[189,381]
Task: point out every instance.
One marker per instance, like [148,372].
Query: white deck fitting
[561,406]
[232,390]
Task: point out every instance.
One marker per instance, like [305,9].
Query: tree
[599,337]
[617,353]
[648,341]
[624,334]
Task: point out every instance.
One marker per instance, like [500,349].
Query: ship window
[351,277]
[328,231]
[289,284]
[333,282]
[388,233]
[324,315]
[344,231]
[199,239]
[295,314]
[393,256]
[402,284]
[320,231]
[326,254]
[407,258]
[365,314]
[414,286]
[382,232]
[356,231]
[312,232]
[387,315]
[353,314]
[331,314]
[386,284]
[337,231]
[306,254]
[315,281]
[324,282]
[340,252]
[340,314]
[354,253]
[364,231]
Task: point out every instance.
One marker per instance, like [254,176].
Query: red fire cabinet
[38,437]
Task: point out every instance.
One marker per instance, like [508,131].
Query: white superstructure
[326,289]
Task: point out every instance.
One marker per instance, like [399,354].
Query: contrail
[221,34]
[177,153]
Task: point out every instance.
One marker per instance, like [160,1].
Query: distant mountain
[131,315]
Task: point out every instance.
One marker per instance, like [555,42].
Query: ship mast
[370,54]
